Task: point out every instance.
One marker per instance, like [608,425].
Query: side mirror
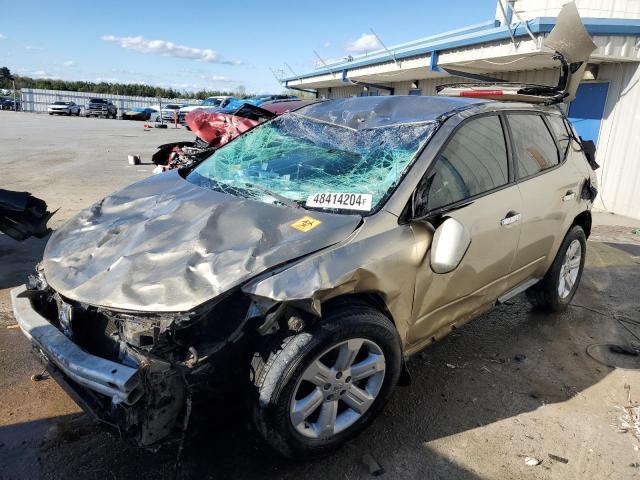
[451,241]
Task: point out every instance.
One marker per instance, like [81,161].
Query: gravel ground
[514,383]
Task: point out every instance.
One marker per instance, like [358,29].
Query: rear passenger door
[548,186]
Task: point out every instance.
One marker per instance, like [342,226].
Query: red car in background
[215,129]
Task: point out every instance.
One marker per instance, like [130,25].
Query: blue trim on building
[433,62]
[595,26]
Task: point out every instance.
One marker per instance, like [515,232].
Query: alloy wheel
[337,388]
[570,269]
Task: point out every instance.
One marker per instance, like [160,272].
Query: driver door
[471,180]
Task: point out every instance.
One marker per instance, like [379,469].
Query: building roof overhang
[480,49]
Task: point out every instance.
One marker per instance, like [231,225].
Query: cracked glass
[293,156]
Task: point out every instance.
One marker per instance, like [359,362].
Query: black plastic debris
[558,459]
[624,350]
[374,467]
[23,215]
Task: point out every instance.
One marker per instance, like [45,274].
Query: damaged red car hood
[166,245]
[218,128]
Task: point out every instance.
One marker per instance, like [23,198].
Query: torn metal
[572,47]
[22,215]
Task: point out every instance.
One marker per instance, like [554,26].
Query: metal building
[606,109]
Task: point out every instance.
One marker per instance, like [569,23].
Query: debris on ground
[558,458]
[532,461]
[520,358]
[374,467]
[134,159]
[624,350]
[636,231]
[15,325]
[629,421]
[23,215]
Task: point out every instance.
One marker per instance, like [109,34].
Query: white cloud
[31,47]
[327,44]
[168,49]
[217,78]
[3,37]
[69,63]
[366,43]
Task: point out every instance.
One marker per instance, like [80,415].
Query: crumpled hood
[166,245]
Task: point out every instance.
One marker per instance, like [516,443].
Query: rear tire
[281,385]
[557,288]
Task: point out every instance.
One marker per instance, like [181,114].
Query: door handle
[570,195]
[510,219]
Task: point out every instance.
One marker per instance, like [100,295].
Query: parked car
[209,102]
[308,258]
[170,111]
[214,129]
[100,107]
[8,103]
[140,113]
[64,108]
[235,103]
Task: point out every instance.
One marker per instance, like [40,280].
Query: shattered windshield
[301,161]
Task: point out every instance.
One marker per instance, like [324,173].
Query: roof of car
[383,111]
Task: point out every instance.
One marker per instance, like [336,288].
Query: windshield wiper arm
[277,196]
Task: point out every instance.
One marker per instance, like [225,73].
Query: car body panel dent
[167,245]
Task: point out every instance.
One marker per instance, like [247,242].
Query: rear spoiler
[572,48]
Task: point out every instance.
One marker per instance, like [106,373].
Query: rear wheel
[318,389]
[556,290]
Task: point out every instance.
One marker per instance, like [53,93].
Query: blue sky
[210,45]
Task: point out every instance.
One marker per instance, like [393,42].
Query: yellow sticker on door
[305,224]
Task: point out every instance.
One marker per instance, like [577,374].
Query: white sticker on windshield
[344,201]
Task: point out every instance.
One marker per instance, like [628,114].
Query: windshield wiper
[281,198]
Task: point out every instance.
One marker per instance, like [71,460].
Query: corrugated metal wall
[528,9]
[619,142]
[36,100]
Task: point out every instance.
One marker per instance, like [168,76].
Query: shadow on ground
[18,259]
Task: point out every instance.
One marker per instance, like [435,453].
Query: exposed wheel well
[373,299]
[584,220]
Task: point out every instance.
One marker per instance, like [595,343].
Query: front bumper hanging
[119,382]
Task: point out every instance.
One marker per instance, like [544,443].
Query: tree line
[133,89]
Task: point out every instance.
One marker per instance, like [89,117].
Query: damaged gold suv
[309,257]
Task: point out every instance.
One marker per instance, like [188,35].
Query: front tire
[557,288]
[318,389]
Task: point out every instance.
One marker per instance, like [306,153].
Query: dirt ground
[515,383]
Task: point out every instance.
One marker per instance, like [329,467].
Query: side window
[534,147]
[559,127]
[473,162]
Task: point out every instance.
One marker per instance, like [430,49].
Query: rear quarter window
[560,129]
[534,148]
